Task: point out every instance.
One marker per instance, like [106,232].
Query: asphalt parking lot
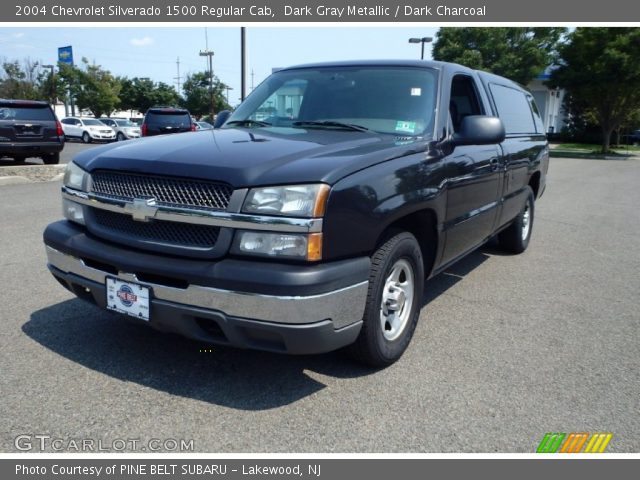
[507,348]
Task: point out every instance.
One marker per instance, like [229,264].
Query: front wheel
[515,238]
[86,138]
[393,303]
[121,137]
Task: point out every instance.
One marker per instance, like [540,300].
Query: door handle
[494,163]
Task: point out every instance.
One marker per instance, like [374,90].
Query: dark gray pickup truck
[311,218]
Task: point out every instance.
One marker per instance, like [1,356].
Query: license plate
[128,298]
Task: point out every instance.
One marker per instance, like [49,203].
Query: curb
[17,180]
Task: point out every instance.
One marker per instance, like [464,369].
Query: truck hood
[252,157]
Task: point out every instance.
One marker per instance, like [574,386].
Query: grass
[593,148]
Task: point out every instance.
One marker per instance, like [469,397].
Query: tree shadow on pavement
[240,379]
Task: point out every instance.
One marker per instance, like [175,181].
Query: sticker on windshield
[416,92]
[407,127]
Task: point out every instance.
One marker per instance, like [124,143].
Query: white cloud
[18,35]
[141,42]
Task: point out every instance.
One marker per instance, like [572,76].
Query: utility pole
[177,79]
[209,53]
[243,66]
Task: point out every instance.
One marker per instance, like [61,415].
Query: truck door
[473,177]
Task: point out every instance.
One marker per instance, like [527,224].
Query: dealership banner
[325,11]
[383,469]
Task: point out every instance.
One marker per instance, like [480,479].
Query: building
[549,102]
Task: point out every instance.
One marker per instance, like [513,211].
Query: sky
[152,51]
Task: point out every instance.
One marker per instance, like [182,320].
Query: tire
[51,159]
[387,327]
[515,238]
[19,159]
[120,137]
[86,138]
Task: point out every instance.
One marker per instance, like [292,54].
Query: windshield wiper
[330,124]
[248,122]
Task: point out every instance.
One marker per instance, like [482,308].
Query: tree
[141,93]
[518,53]
[21,80]
[600,69]
[93,88]
[196,94]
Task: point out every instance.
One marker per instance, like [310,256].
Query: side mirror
[479,130]
[221,118]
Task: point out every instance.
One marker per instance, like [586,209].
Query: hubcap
[397,300]
[526,221]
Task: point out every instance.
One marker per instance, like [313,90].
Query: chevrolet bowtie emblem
[142,209]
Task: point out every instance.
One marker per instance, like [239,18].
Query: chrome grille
[169,191]
[169,233]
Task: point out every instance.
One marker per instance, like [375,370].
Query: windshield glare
[124,123]
[88,121]
[394,100]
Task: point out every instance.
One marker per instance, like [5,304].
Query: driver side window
[463,101]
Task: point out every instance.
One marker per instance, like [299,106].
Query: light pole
[209,53]
[422,40]
[52,79]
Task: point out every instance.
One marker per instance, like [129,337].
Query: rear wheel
[51,159]
[86,138]
[19,159]
[393,303]
[515,238]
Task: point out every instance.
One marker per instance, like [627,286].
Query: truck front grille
[157,231]
[169,191]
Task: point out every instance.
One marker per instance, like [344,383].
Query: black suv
[161,120]
[30,129]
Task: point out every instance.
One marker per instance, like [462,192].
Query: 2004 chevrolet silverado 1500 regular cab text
[311,218]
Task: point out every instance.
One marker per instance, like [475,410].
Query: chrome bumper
[343,307]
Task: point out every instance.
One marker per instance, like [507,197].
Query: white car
[87,129]
[124,128]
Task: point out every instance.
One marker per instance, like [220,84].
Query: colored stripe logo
[574,442]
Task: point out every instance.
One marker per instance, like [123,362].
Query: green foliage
[21,80]
[600,69]
[196,94]
[142,93]
[93,88]
[518,53]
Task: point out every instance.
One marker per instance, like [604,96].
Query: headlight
[289,200]
[74,177]
[281,245]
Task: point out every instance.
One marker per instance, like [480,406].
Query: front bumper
[288,308]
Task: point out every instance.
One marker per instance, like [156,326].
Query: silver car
[125,129]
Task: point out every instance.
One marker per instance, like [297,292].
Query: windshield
[124,123]
[394,100]
[89,121]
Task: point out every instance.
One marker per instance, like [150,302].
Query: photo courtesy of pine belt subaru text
[308,219]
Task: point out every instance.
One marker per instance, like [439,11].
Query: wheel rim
[85,138]
[526,221]
[397,300]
